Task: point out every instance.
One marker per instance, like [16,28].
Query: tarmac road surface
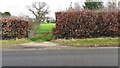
[62,57]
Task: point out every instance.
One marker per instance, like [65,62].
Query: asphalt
[62,57]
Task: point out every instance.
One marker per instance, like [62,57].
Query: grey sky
[18,7]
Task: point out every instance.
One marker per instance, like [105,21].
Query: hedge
[87,24]
[13,28]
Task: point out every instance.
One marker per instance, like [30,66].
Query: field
[45,28]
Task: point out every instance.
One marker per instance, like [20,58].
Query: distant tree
[0,13]
[74,6]
[53,20]
[24,16]
[6,14]
[39,10]
[93,5]
[119,5]
[77,5]
[111,6]
[70,6]
[48,19]
[93,0]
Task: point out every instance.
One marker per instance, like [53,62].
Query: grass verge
[9,43]
[90,42]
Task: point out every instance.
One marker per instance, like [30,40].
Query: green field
[45,28]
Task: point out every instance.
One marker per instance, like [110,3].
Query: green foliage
[6,14]
[0,13]
[93,5]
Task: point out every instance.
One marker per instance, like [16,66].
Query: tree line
[5,14]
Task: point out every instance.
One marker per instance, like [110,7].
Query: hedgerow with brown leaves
[87,24]
[13,28]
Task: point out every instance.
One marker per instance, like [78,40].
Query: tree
[0,13]
[119,5]
[70,6]
[39,10]
[93,0]
[77,5]
[6,14]
[93,5]
[74,6]
[111,6]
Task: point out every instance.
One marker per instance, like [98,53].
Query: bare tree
[119,5]
[39,10]
[70,7]
[77,5]
[111,6]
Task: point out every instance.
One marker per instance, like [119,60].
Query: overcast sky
[18,7]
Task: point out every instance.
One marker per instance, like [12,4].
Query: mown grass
[8,43]
[90,42]
[45,28]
